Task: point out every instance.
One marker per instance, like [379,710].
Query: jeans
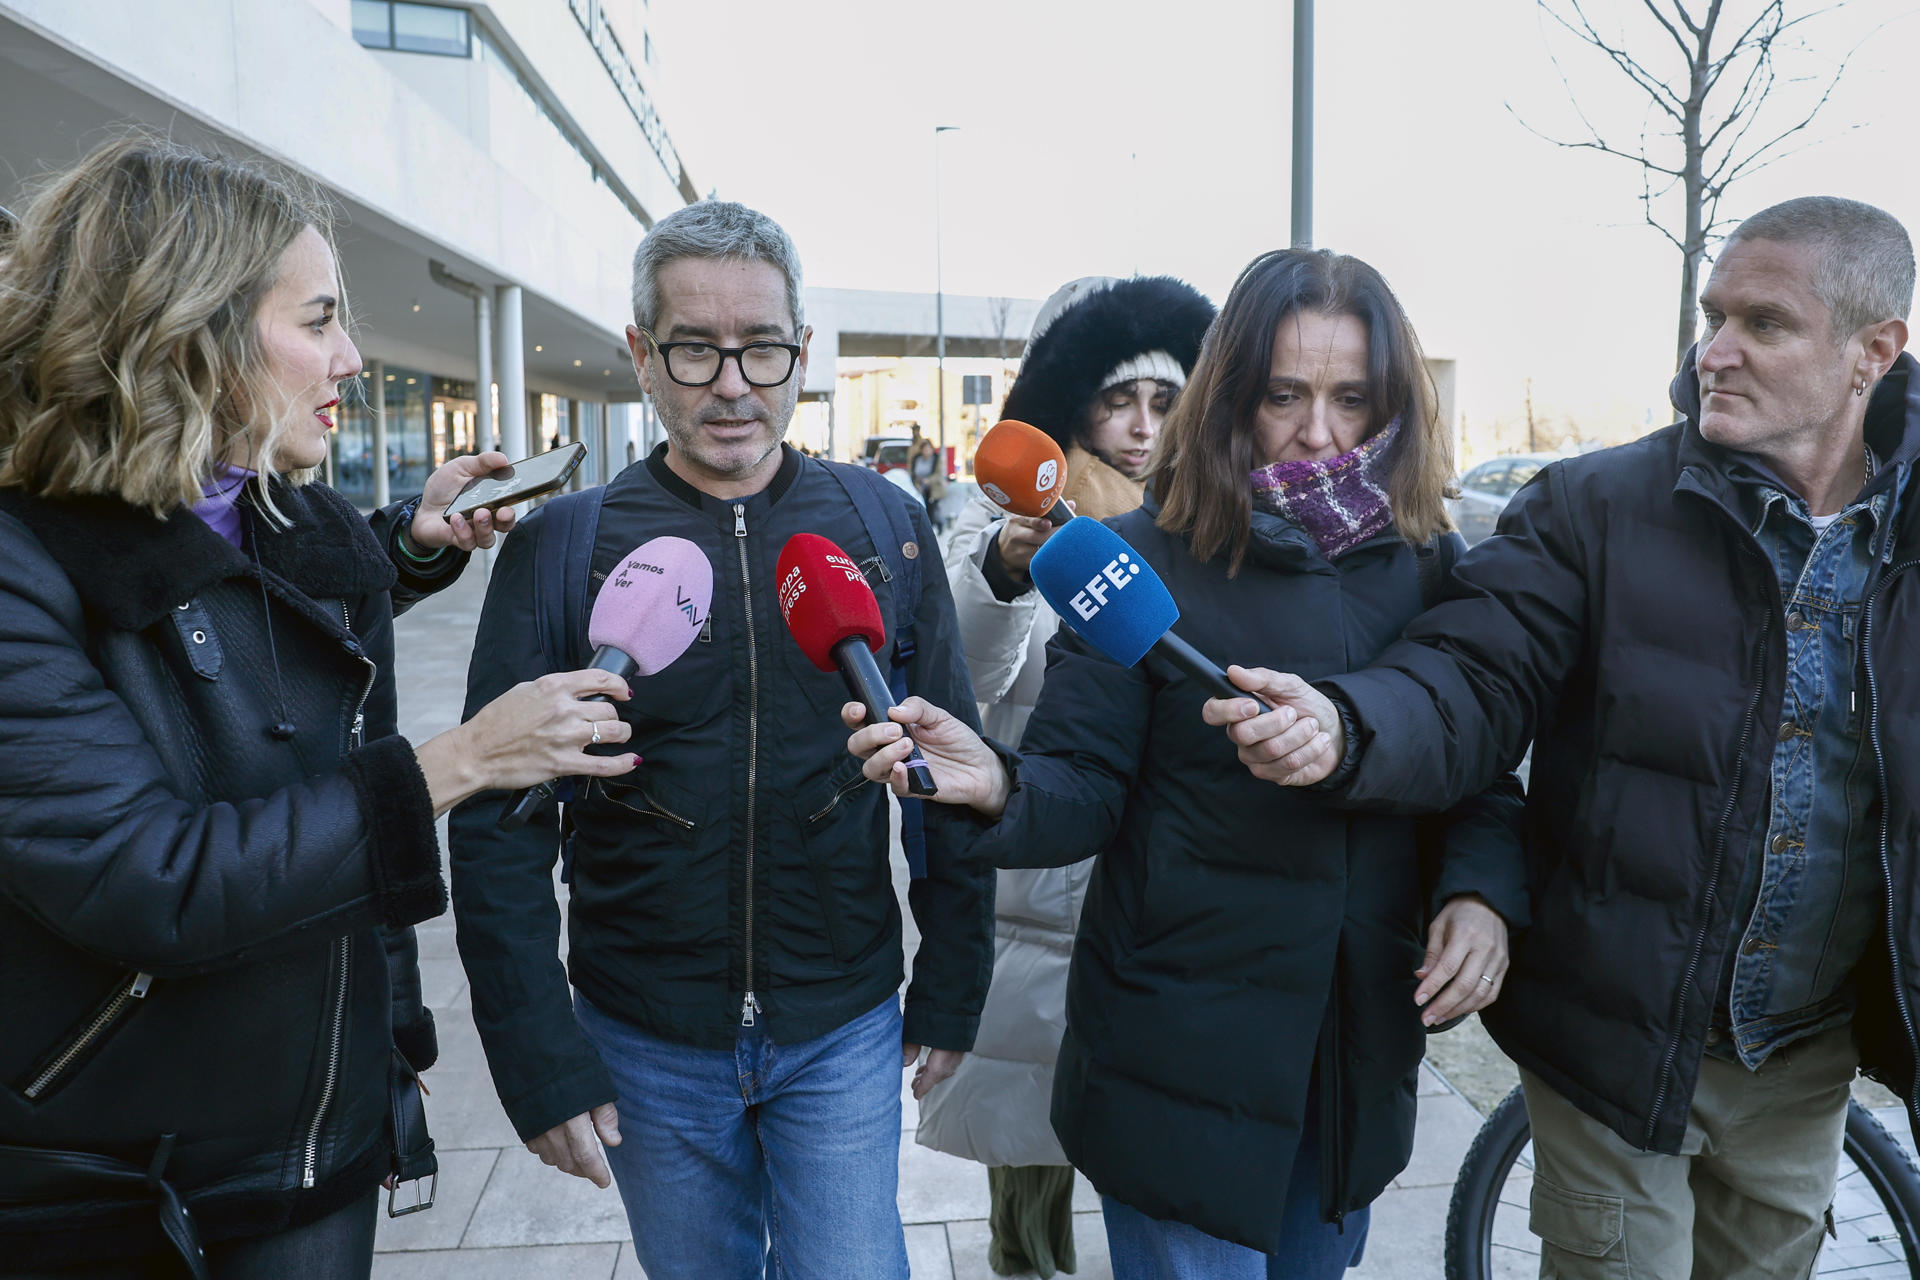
[774,1159]
[1144,1248]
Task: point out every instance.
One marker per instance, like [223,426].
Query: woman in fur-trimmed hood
[1103,363]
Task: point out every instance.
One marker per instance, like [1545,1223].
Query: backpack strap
[891,533]
[878,503]
[562,561]
[562,565]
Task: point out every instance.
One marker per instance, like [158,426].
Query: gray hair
[711,229]
[1864,272]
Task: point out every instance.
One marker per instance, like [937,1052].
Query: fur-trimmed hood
[1067,363]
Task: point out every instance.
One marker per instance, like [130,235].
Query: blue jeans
[775,1159]
[1146,1248]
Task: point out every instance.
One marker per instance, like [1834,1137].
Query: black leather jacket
[207,825]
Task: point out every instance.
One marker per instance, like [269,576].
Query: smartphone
[528,478]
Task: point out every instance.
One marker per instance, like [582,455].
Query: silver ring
[596,740]
[1484,978]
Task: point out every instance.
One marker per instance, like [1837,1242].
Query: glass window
[372,23]
[430,28]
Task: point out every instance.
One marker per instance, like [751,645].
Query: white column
[510,359]
[380,490]
[483,435]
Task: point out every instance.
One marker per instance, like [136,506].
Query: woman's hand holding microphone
[964,767]
[530,734]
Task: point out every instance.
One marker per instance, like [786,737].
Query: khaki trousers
[1745,1199]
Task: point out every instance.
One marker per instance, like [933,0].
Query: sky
[1120,136]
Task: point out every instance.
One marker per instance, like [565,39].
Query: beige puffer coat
[994,1108]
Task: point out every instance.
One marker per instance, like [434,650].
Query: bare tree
[1706,124]
[998,310]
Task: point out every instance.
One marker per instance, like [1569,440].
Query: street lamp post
[939,292]
[1302,123]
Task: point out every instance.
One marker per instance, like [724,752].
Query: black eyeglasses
[698,364]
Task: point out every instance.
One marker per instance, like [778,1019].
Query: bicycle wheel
[1876,1204]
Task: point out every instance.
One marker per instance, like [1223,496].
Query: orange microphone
[1021,470]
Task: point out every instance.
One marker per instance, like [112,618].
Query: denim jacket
[1810,894]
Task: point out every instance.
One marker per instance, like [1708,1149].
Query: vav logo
[1093,597]
[1048,473]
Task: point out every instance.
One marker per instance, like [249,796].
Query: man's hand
[964,768]
[1466,960]
[571,1147]
[1020,537]
[939,1065]
[1294,740]
[430,530]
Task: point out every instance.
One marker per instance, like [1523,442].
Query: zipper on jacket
[1886,860]
[136,989]
[653,806]
[1719,862]
[749,1005]
[337,999]
[846,788]
[366,691]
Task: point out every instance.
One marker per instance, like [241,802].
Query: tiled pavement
[502,1215]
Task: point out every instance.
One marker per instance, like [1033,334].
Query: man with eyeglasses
[735,1034]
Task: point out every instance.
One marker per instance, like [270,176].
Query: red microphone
[835,619]
[1021,470]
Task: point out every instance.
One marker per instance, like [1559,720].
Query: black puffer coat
[1239,938]
[190,905]
[1625,619]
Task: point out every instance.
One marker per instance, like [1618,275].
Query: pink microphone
[651,607]
[649,611]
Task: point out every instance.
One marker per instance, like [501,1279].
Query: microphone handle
[869,688]
[1057,514]
[524,803]
[1199,666]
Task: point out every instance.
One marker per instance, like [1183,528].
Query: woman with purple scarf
[1249,989]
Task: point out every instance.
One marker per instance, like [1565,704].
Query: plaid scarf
[1341,502]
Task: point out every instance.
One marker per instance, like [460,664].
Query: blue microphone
[1113,600]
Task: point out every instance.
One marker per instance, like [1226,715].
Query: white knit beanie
[1157,365]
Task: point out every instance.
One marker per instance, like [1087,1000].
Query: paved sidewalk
[502,1215]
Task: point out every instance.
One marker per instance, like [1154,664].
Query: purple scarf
[219,503]
[1341,502]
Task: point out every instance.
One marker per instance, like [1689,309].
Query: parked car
[884,453]
[1485,491]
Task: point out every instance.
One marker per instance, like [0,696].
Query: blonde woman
[213,843]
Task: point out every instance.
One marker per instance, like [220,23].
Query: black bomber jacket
[747,854]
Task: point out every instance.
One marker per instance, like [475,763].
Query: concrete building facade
[495,165]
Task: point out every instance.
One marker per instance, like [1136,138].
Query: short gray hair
[1864,272]
[712,229]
